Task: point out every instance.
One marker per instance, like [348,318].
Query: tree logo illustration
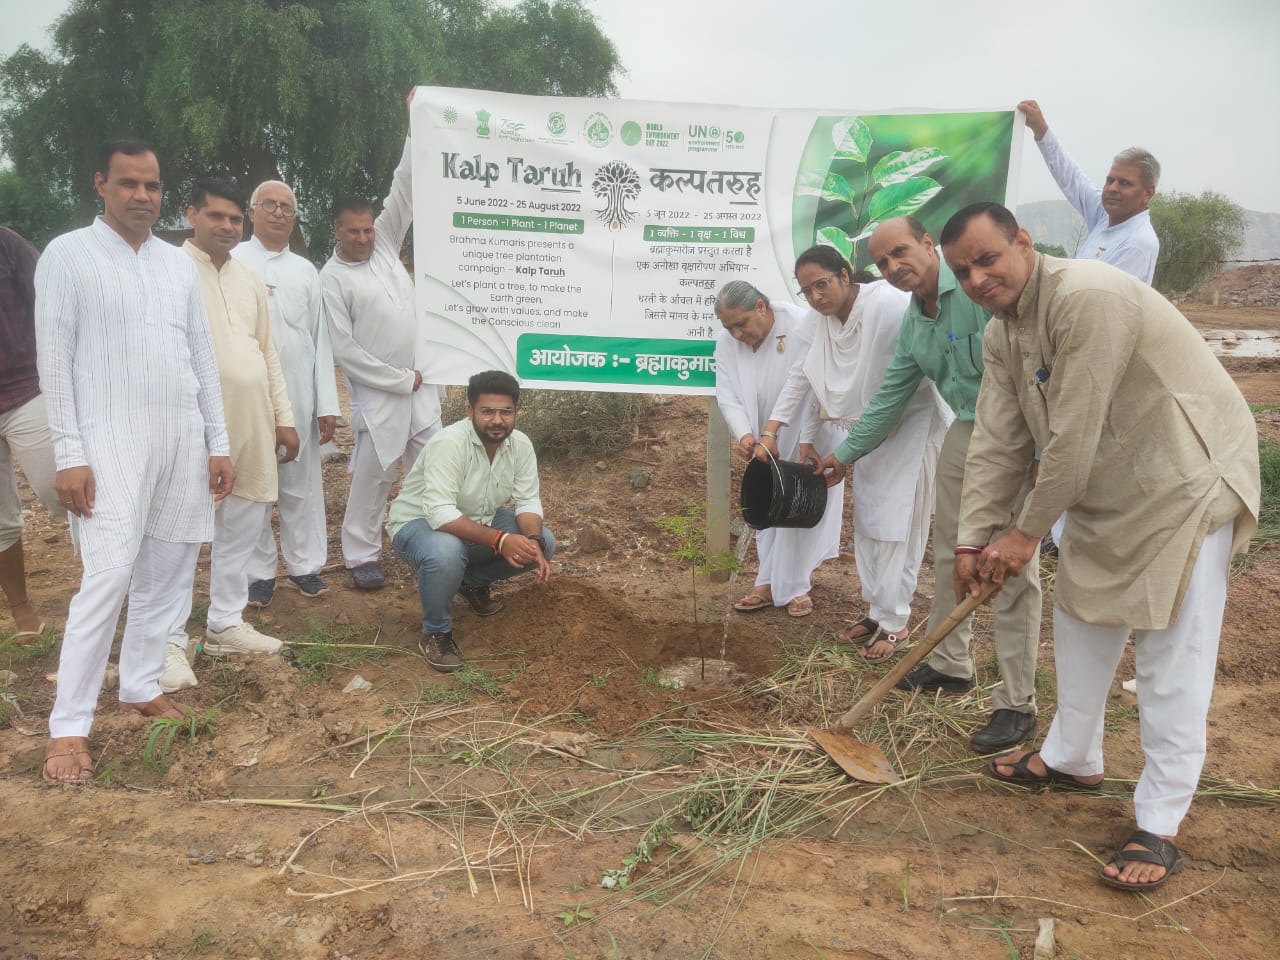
[615,183]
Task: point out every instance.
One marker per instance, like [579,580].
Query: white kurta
[1131,245]
[131,383]
[892,485]
[373,329]
[747,386]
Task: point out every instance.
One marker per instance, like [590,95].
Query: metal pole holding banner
[718,483]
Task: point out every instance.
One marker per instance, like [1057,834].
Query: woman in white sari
[856,330]
[761,341]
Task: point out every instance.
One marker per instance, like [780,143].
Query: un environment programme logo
[482,123]
[598,130]
[630,133]
[615,183]
[556,124]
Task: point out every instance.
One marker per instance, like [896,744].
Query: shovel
[866,761]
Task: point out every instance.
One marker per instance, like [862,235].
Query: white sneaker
[177,672]
[242,638]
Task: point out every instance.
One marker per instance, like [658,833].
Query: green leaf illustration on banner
[901,199]
[829,186]
[852,139]
[903,164]
[835,237]
[856,172]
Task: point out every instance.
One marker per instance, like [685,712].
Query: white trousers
[24,437]
[367,499]
[304,541]
[789,555]
[159,589]
[237,525]
[1175,669]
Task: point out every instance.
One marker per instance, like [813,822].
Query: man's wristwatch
[540,540]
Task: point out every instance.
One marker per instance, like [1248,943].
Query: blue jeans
[443,562]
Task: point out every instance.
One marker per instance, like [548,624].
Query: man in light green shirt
[451,523]
[941,338]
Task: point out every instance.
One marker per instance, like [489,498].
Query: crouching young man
[450,522]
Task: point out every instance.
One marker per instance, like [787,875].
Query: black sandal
[866,623]
[1024,776]
[1159,851]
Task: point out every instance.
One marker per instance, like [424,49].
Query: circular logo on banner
[630,133]
[556,125]
[598,130]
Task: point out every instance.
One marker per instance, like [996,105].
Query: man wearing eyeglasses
[373,329]
[301,340]
[451,523]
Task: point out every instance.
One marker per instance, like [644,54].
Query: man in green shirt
[941,338]
[450,522]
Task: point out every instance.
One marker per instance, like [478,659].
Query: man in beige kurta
[259,421]
[1148,442]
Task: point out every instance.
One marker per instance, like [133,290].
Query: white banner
[579,243]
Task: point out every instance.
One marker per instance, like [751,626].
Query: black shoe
[929,680]
[261,592]
[483,604]
[309,585]
[1006,728]
[441,652]
[368,576]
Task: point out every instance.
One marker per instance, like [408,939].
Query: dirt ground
[477,815]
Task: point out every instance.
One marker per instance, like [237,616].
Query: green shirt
[453,477]
[947,350]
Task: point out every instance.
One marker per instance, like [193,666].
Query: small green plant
[905,887]
[474,680]
[325,647]
[164,730]
[574,915]
[1119,716]
[201,940]
[18,653]
[690,531]
[104,776]
[600,680]
[649,844]
[434,693]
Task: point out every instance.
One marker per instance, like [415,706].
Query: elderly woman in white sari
[856,330]
[761,341]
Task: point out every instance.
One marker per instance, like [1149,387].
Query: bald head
[905,256]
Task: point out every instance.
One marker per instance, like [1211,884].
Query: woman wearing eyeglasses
[855,338]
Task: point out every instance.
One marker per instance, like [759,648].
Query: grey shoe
[441,652]
[309,585]
[483,604]
[929,680]
[261,592]
[368,576]
[1006,728]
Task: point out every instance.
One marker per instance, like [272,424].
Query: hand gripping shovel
[866,761]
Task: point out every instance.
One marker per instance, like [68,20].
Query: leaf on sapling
[902,165]
[835,237]
[828,186]
[902,199]
[852,139]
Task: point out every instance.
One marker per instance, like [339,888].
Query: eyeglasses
[818,286]
[488,413]
[285,210]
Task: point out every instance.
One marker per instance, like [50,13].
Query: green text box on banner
[616,360]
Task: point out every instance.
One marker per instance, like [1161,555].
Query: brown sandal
[800,606]
[879,636]
[161,706]
[59,747]
[753,602]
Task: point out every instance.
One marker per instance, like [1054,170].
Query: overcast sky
[1196,83]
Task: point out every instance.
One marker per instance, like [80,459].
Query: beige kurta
[254,395]
[1143,436]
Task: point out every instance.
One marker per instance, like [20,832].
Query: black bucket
[780,493]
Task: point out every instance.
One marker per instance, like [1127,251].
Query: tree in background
[1051,249]
[1196,235]
[308,92]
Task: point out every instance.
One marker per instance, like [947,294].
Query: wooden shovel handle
[913,657]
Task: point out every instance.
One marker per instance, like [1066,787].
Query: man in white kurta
[761,340]
[259,417]
[301,339]
[135,412]
[373,329]
[893,485]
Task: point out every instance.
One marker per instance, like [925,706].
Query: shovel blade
[862,761]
